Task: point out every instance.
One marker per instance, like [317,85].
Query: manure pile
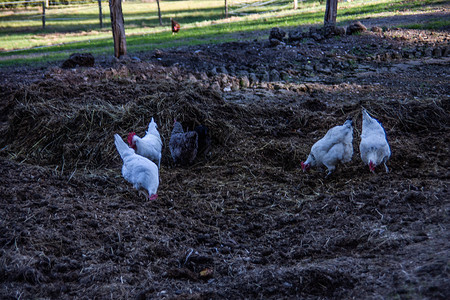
[53,123]
[68,120]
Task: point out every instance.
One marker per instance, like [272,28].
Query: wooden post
[331,13]
[159,13]
[43,14]
[100,15]
[226,9]
[118,28]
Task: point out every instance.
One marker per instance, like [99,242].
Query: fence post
[43,14]
[100,15]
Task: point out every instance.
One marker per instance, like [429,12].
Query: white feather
[374,146]
[150,145]
[335,147]
[136,169]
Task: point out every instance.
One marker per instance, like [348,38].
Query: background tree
[226,9]
[159,13]
[118,28]
[331,13]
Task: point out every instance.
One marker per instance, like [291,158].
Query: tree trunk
[226,9]
[118,28]
[331,13]
[159,13]
[295,4]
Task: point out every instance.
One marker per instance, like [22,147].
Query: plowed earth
[243,221]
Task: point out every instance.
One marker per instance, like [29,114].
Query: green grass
[432,25]
[202,22]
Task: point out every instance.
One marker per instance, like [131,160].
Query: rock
[339,31]
[243,73]
[253,78]
[437,52]
[376,29]
[224,79]
[302,88]
[158,53]
[308,67]
[244,82]
[191,78]
[124,59]
[427,52]
[265,76]
[79,59]
[316,33]
[277,33]
[386,56]
[223,70]
[329,31]
[446,51]
[325,70]
[356,27]
[203,76]
[285,76]
[215,86]
[274,75]
[281,46]
[235,85]
[396,55]
[317,37]
[274,42]
[296,35]
[213,71]
[408,54]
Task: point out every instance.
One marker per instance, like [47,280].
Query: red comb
[130,138]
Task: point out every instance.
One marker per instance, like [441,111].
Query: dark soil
[243,221]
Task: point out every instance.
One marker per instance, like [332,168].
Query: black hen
[183,145]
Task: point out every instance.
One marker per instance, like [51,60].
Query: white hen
[336,146]
[138,170]
[148,146]
[374,146]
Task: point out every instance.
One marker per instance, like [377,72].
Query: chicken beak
[305,167]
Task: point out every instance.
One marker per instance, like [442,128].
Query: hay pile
[52,123]
[416,116]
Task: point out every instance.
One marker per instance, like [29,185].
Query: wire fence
[64,11]
[48,3]
[42,8]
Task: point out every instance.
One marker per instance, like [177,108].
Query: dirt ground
[243,222]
